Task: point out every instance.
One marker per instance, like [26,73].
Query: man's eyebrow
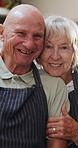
[20,30]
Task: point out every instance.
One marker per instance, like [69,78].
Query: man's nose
[29,43]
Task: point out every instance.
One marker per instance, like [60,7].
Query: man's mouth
[25,52]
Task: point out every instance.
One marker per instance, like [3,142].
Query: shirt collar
[70,86]
[6,74]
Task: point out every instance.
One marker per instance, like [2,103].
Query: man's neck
[16,68]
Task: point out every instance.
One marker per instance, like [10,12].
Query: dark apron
[73,97]
[23,116]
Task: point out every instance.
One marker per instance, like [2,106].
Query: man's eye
[20,33]
[37,36]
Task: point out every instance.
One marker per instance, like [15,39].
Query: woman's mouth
[55,65]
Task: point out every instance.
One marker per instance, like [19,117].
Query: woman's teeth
[56,65]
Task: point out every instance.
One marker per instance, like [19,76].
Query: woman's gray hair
[58,25]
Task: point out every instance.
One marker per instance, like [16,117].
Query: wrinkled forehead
[24,13]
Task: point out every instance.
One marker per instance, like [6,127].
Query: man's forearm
[75,132]
[56,143]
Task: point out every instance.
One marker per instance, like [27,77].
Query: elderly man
[24,93]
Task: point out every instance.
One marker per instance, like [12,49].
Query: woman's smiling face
[57,56]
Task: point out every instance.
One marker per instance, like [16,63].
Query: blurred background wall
[67,8]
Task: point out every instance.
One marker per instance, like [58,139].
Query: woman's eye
[48,46]
[64,48]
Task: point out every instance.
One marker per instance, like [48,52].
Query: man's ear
[1,31]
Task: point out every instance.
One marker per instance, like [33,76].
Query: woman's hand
[63,127]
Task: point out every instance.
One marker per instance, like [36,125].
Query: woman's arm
[56,143]
[66,127]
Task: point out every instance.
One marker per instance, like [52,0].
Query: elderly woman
[59,59]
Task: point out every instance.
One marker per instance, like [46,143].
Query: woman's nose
[55,54]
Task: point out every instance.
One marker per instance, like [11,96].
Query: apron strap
[75,79]
[36,75]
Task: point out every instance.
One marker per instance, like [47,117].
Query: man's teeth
[25,52]
[56,65]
